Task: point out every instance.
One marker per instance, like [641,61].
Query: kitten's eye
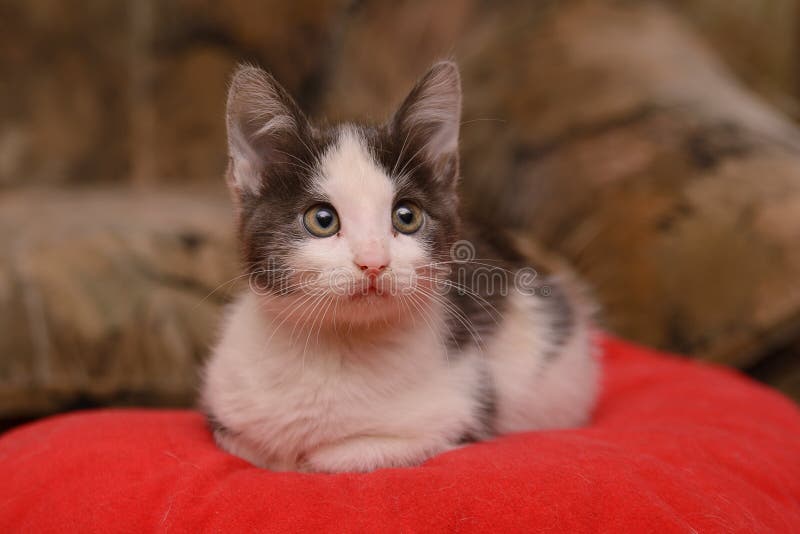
[321,220]
[407,217]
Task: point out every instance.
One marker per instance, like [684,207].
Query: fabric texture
[674,446]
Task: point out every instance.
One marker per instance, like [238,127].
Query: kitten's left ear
[429,119]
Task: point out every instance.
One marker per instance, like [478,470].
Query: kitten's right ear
[262,119]
[430,118]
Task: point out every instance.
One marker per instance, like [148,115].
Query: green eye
[407,217]
[321,220]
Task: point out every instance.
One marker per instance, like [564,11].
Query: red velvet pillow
[675,447]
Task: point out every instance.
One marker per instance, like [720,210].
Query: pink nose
[371,269]
[371,258]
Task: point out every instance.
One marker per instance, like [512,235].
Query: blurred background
[653,144]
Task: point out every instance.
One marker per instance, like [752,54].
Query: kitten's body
[458,349]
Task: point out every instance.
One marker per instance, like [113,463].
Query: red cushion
[675,446]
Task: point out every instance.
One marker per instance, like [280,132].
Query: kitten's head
[347,221]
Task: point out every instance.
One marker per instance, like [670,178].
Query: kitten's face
[349,224]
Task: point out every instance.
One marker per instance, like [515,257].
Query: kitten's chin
[366,308]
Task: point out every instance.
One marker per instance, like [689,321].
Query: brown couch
[606,130]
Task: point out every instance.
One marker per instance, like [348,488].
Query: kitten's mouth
[372,288]
[370,291]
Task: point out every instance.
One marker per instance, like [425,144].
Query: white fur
[344,402]
[297,390]
[533,393]
[363,197]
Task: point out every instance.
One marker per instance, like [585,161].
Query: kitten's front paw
[364,454]
[240,447]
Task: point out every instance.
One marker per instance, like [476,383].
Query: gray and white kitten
[379,329]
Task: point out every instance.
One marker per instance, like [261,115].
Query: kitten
[378,330]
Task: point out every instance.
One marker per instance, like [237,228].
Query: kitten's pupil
[324,218]
[405,215]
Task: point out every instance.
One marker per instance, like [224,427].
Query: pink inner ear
[260,113]
[431,113]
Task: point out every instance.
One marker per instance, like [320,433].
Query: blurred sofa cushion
[109,295]
[674,446]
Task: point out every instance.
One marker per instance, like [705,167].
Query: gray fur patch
[562,315]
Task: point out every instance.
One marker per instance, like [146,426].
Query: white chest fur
[285,393]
